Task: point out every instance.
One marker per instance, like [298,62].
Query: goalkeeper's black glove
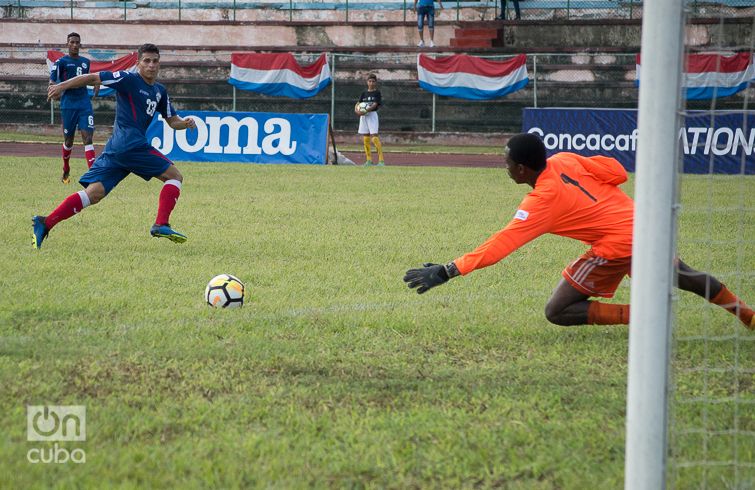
[429,276]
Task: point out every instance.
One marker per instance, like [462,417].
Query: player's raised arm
[55,91]
[178,122]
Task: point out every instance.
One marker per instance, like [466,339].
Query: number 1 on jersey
[568,180]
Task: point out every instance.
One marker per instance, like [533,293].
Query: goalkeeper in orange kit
[576,197]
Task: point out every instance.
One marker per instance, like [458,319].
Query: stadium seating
[593,66]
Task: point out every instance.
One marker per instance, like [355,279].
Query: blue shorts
[427,12]
[83,118]
[111,168]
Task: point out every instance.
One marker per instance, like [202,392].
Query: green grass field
[334,374]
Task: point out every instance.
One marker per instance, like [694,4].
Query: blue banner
[247,137]
[717,142]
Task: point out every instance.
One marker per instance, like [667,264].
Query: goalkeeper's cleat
[66,178]
[368,163]
[165,231]
[381,163]
[39,229]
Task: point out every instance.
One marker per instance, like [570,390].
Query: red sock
[90,156]
[607,314]
[66,157]
[168,197]
[729,301]
[70,206]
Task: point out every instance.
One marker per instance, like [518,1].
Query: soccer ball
[224,291]
[361,107]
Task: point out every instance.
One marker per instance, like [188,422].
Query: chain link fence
[199,81]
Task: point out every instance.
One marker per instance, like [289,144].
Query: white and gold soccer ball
[224,291]
[361,107]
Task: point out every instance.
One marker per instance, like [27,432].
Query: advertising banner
[710,142]
[247,137]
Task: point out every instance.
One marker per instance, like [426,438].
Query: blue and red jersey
[136,104]
[66,68]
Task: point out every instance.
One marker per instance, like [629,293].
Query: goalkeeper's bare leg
[568,306]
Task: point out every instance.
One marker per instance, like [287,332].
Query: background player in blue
[139,96]
[75,105]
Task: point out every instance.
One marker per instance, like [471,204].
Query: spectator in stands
[503,10]
[576,197]
[75,106]
[368,119]
[426,13]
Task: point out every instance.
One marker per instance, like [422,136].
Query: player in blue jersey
[139,96]
[75,105]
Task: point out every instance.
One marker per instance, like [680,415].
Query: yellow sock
[367,150]
[378,147]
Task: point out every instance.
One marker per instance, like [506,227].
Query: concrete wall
[524,36]
[210,34]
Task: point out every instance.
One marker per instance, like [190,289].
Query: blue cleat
[165,231]
[40,230]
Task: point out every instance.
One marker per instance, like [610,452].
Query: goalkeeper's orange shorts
[597,276]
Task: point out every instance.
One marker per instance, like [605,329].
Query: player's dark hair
[73,34]
[148,48]
[372,76]
[527,149]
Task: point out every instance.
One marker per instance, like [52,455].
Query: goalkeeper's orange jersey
[576,197]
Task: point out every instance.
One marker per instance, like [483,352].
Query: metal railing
[350,10]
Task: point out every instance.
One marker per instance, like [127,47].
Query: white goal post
[653,245]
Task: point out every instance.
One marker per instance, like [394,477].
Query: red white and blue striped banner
[469,77]
[713,75]
[279,74]
[124,63]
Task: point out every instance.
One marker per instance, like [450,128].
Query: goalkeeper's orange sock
[607,314]
[729,301]
[378,147]
[367,149]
